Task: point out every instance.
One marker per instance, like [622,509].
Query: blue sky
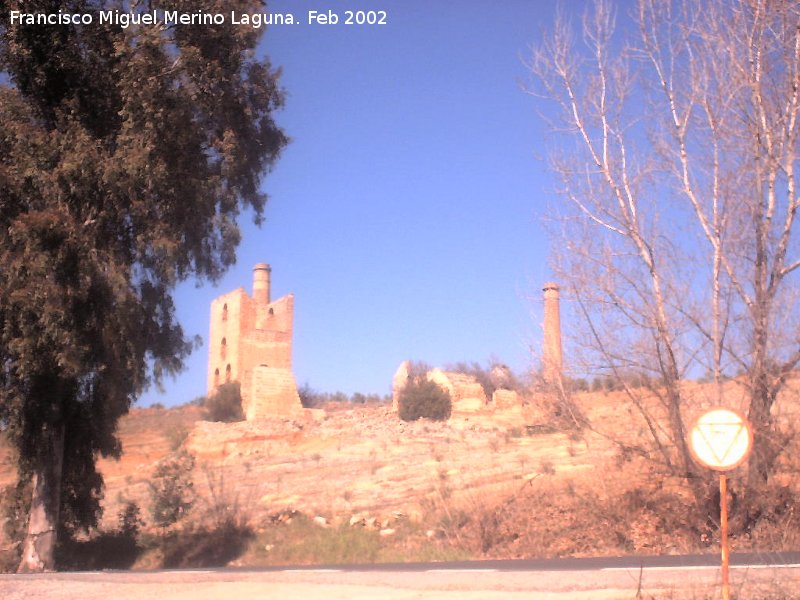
[405,215]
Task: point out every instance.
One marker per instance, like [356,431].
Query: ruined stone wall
[399,381]
[268,338]
[466,393]
[274,391]
[229,317]
[506,400]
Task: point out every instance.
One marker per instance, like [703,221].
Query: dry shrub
[225,404]
[777,526]
[547,519]
[221,530]
[225,506]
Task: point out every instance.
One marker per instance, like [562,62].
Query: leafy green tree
[126,156]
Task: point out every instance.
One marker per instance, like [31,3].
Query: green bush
[172,489]
[225,404]
[421,398]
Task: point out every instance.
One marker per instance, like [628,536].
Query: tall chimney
[551,353]
[261,273]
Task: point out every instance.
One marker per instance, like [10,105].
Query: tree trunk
[38,551]
[765,450]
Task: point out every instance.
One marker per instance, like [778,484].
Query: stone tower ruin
[250,341]
[552,365]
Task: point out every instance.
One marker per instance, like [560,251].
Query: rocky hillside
[349,462]
[353,460]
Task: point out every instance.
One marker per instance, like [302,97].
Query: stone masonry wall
[229,315]
[275,392]
[465,392]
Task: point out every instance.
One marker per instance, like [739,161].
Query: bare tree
[678,137]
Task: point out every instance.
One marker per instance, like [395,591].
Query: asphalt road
[675,577]
[594,563]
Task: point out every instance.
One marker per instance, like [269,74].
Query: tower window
[216,377]
[225,312]
[223,350]
[272,312]
[228,374]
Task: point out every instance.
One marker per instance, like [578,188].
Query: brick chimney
[551,353]
[261,273]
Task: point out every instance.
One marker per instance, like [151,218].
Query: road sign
[721,439]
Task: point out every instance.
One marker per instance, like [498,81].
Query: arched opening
[271,312]
[223,350]
[216,377]
[228,374]
[225,312]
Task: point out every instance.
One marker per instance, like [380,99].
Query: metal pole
[723,505]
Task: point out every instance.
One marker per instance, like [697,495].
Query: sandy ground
[675,584]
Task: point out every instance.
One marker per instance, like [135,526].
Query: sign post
[723,533]
[721,440]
